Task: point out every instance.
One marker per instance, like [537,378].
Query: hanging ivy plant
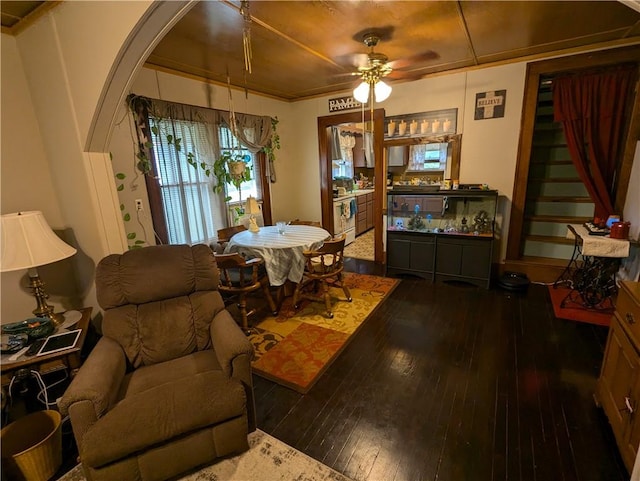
[133,243]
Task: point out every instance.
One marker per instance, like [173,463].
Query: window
[171,137]
[250,188]
[192,211]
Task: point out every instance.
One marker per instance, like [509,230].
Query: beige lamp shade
[28,241]
[252,206]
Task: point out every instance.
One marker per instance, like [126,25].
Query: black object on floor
[514,281]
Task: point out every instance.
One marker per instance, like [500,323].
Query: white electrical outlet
[138,204]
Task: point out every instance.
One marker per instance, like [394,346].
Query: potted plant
[231,168]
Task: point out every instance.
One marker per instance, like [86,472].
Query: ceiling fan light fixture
[361,93]
[382,91]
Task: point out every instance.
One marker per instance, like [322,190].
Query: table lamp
[252,208]
[29,242]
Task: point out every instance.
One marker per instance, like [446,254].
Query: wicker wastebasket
[32,446]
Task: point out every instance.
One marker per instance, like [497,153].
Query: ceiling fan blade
[355,60]
[400,75]
[413,60]
[345,77]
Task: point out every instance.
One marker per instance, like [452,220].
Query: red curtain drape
[592,107]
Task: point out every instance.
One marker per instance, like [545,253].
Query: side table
[70,358]
[591,271]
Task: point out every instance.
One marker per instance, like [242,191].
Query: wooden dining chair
[323,267]
[224,236]
[240,277]
[305,222]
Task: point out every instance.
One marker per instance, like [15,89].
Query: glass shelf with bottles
[467,213]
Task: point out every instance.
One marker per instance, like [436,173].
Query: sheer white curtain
[193,212]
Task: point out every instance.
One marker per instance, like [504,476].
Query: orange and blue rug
[295,347]
[574,311]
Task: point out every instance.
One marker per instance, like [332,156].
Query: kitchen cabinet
[397,155]
[618,387]
[453,230]
[369,211]
[358,153]
[364,220]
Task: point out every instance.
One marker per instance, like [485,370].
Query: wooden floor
[455,383]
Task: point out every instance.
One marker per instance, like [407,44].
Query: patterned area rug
[295,347]
[573,311]
[362,247]
[267,459]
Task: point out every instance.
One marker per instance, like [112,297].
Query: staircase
[555,194]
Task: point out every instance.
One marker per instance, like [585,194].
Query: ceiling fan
[377,65]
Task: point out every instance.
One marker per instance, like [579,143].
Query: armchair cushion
[156,415]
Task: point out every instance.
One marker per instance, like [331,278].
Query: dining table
[282,252]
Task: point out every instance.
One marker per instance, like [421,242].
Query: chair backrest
[224,235]
[238,274]
[327,259]
[158,301]
[305,222]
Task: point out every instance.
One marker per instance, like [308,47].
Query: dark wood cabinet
[409,253]
[358,153]
[364,219]
[618,388]
[461,258]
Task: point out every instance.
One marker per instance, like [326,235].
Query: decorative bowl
[35,328]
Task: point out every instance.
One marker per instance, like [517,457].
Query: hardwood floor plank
[455,384]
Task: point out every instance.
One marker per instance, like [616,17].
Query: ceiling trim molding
[635,4]
[463,21]
[30,18]
[286,37]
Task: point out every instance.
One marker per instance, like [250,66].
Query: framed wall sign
[490,105]
[341,104]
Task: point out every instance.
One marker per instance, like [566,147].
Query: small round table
[282,253]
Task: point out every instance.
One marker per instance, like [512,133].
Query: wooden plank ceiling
[303,49]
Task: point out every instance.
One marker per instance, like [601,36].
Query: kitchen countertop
[341,198]
[352,194]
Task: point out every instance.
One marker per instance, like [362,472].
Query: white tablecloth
[599,246]
[282,254]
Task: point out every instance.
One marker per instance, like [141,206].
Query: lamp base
[43,309]
[253,226]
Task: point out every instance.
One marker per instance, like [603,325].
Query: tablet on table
[60,342]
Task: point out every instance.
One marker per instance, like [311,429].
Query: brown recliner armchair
[168,387]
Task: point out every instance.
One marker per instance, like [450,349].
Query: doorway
[326,170]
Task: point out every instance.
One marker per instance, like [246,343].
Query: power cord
[43,393]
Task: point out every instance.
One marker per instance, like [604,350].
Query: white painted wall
[26,178]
